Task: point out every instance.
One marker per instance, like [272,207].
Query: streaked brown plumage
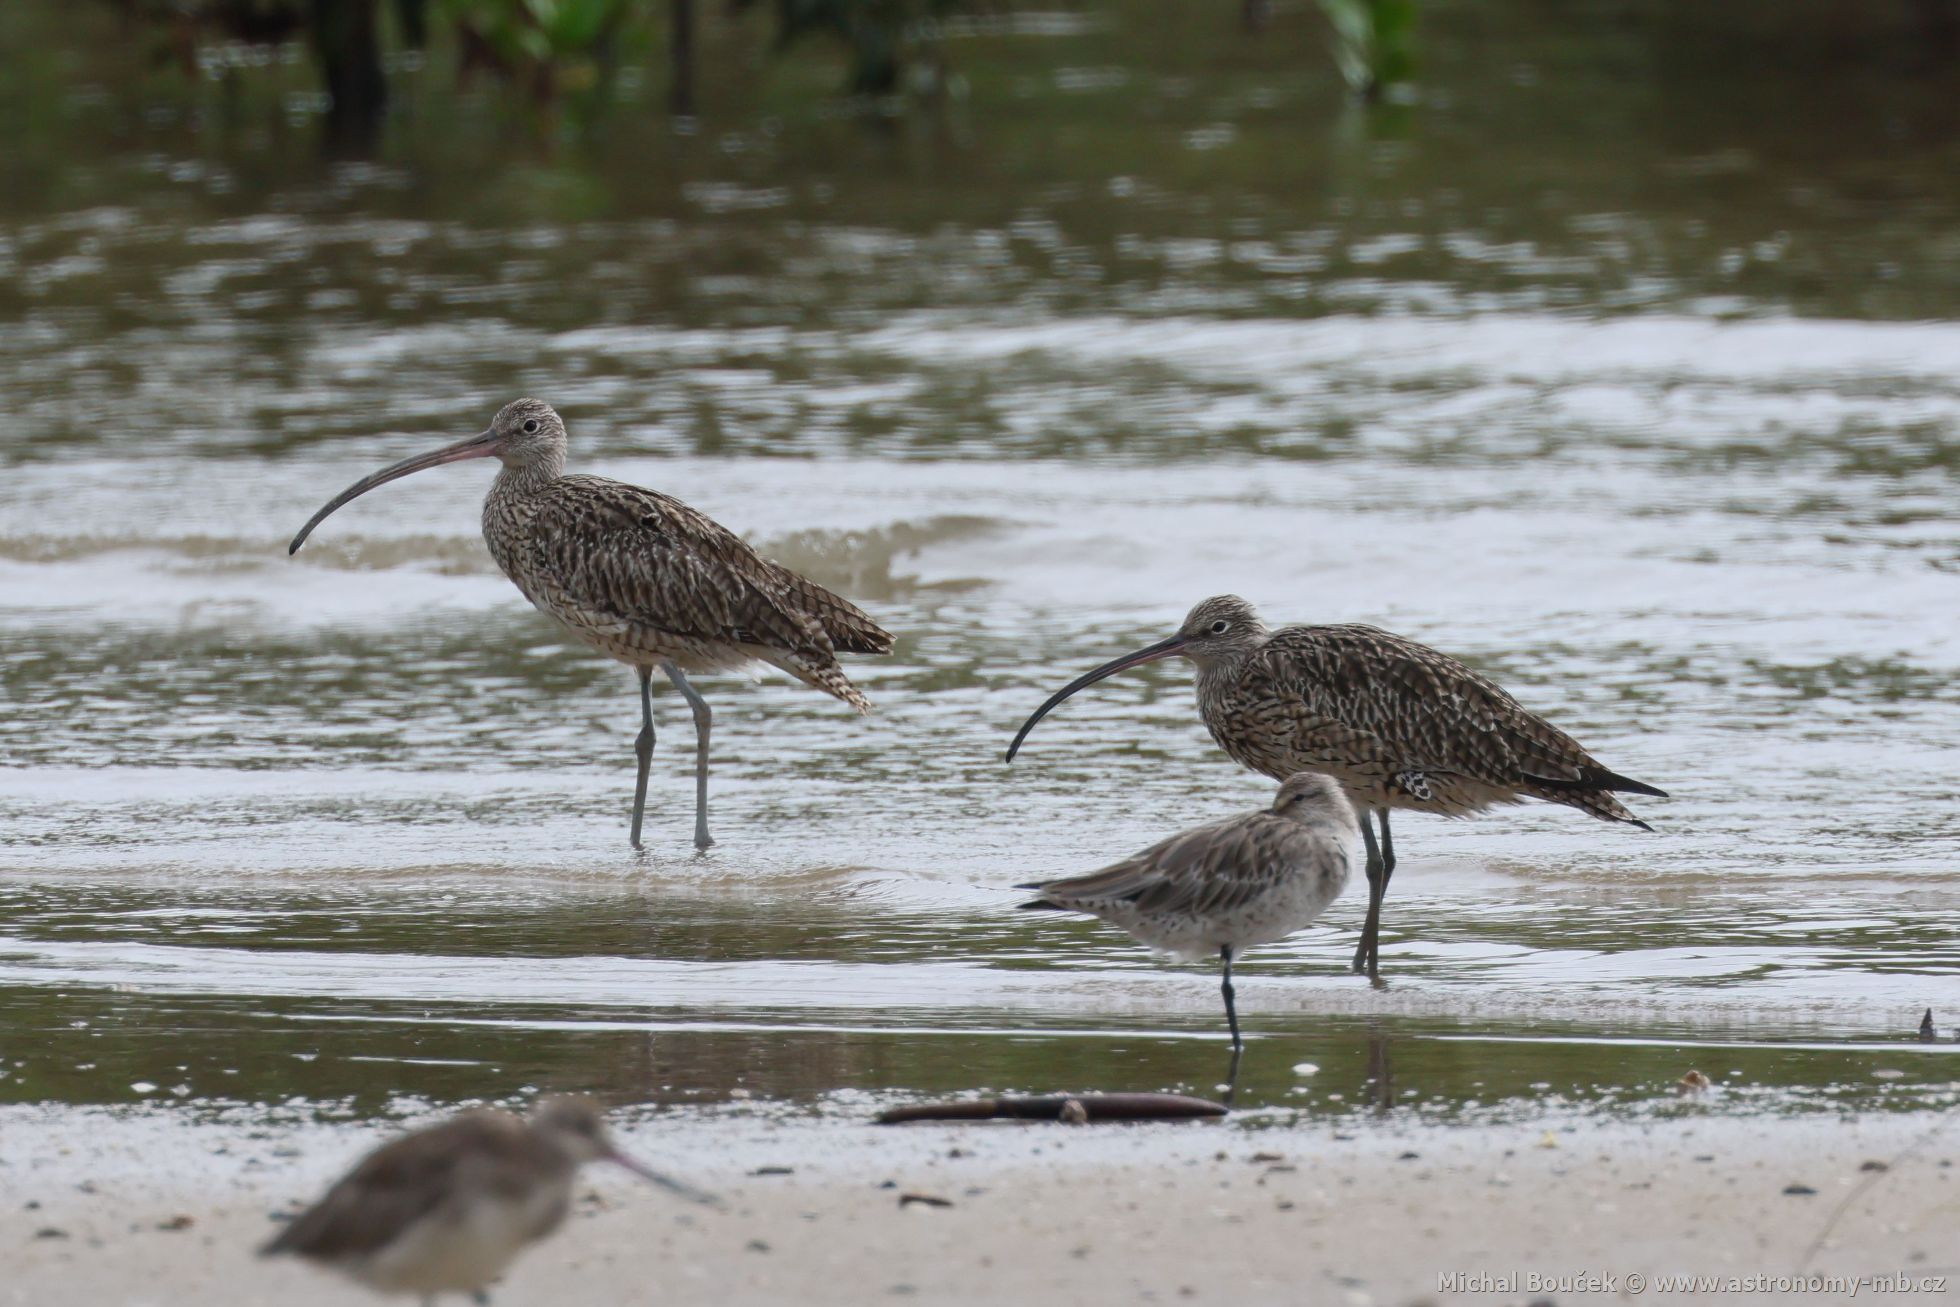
[1398,724]
[1229,885]
[448,1208]
[644,578]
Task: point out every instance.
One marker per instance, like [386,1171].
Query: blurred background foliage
[1242,156]
[566,53]
[1374,43]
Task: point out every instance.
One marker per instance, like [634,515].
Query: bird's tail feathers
[1042,904]
[824,674]
[1598,778]
[1588,799]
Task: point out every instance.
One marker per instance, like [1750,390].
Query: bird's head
[527,434]
[1306,795]
[576,1126]
[1219,630]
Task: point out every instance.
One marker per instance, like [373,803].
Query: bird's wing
[1206,870]
[607,556]
[396,1185]
[1413,708]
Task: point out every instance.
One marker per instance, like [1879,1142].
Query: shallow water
[352,824]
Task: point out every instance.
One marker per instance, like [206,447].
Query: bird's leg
[704,720]
[643,748]
[1367,960]
[1381,897]
[1231,1020]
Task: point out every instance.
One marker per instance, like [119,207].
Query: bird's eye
[1220,626]
[531,426]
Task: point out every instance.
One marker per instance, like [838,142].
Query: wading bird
[1228,886]
[1398,724]
[641,576]
[446,1209]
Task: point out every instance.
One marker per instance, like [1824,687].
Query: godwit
[1398,724]
[1228,886]
[446,1209]
[641,576]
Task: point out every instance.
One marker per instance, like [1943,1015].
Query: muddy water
[351,825]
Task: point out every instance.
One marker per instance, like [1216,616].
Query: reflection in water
[1659,435]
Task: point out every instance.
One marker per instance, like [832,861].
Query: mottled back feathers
[1398,723]
[1243,881]
[647,578]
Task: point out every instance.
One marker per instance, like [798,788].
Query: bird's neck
[1226,665]
[533,473]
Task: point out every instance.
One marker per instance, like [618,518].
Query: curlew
[1398,724]
[446,1209]
[644,578]
[1225,887]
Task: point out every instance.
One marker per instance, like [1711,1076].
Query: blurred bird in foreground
[447,1209]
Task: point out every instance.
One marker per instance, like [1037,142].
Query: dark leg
[704,720]
[1232,1020]
[1367,959]
[1381,897]
[643,747]
[1231,1010]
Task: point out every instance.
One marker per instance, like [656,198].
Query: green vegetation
[1374,43]
[558,54]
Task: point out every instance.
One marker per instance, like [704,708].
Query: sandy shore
[1244,1213]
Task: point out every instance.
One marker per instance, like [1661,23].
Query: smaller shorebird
[644,578]
[447,1209]
[1398,724]
[1228,886]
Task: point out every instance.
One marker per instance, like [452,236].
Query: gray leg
[1232,1020]
[1367,955]
[1231,1010]
[704,720]
[643,748]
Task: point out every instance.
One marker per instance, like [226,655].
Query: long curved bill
[481,445]
[666,1182]
[1162,649]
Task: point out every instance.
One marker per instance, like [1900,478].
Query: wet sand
[1248,1212]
